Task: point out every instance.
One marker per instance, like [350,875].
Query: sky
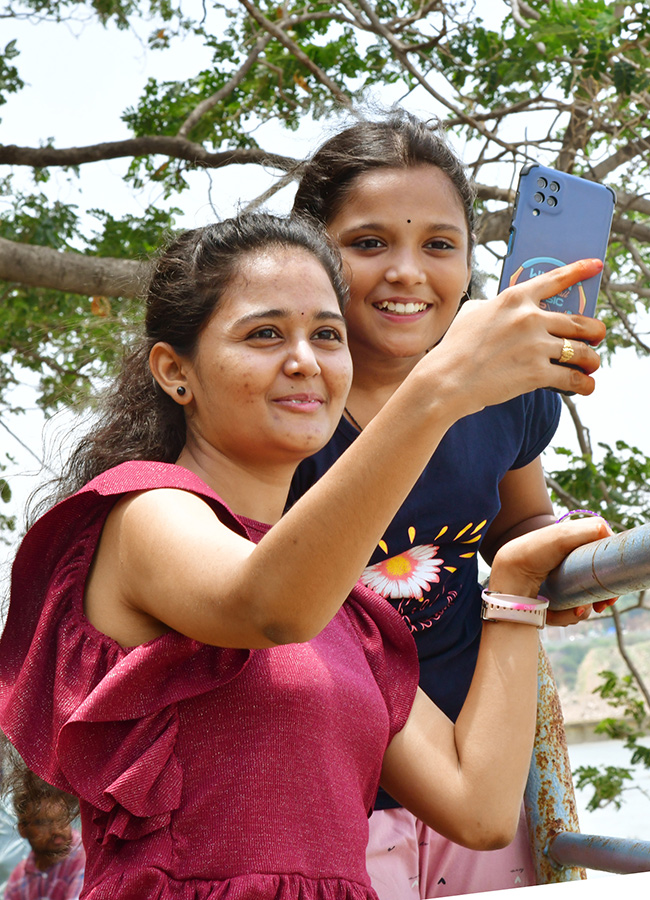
[80,78]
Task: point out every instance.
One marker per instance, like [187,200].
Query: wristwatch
[497,607]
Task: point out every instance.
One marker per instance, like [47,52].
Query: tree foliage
[609,783]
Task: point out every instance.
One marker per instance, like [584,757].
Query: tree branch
[570,501]
[582,433]
[71,272]
[521,106]
[636,256]
[22,443]
[576,137]
[516,15]
[621,226]
[300,55]
[151,145]
[528,11]
[584,440]
[493,226]
[206,105]
[622,649]
[491,192]
[625,201]
[567,499]
[516,6]
[621,156]
[401,53]
[632,288]
[625,321]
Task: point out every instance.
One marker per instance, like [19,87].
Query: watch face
[571,300]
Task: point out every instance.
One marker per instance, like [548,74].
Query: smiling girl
[219,694]
[398,202]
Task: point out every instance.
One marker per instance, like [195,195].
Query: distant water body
[633,819]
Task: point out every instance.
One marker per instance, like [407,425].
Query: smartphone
[558,219]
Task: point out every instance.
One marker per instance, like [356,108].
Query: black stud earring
[180,390]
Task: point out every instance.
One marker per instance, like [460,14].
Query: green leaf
[5,491]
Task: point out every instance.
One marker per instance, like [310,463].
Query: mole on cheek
[408,221]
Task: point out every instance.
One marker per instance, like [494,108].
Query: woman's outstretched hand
[522,564]
[501,348]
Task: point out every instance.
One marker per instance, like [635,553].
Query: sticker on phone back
[570,300]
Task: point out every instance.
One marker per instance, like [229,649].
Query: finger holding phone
[513,341]
[557,219]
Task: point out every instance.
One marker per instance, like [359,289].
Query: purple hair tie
[584,512]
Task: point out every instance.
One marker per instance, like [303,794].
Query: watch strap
[496,607]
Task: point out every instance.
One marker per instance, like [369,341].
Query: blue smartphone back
[558,219]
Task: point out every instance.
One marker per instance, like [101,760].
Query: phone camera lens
[541,182]
[552,201]
[535,212]
[538,197]
[554,186]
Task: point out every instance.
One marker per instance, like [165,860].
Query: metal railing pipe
[610,567]
[607,854]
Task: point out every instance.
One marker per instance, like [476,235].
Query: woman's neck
[258,493]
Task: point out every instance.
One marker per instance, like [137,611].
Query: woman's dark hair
[137,419]
[400,141]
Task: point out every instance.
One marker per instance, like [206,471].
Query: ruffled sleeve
[389,649]
[89,716]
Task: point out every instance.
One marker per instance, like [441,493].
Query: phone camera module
[538,197]
[541,182]
[552,201]
[554,186]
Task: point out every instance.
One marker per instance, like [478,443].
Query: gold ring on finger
[567,352]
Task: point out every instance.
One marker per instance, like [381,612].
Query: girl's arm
[526,506]
[180,568]
[466,781]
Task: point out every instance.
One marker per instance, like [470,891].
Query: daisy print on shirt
[416,576]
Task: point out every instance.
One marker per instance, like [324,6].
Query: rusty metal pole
[619,855]
[613,566]
[616,565]
[549,799]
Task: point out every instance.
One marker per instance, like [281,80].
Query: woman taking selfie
[217,692]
